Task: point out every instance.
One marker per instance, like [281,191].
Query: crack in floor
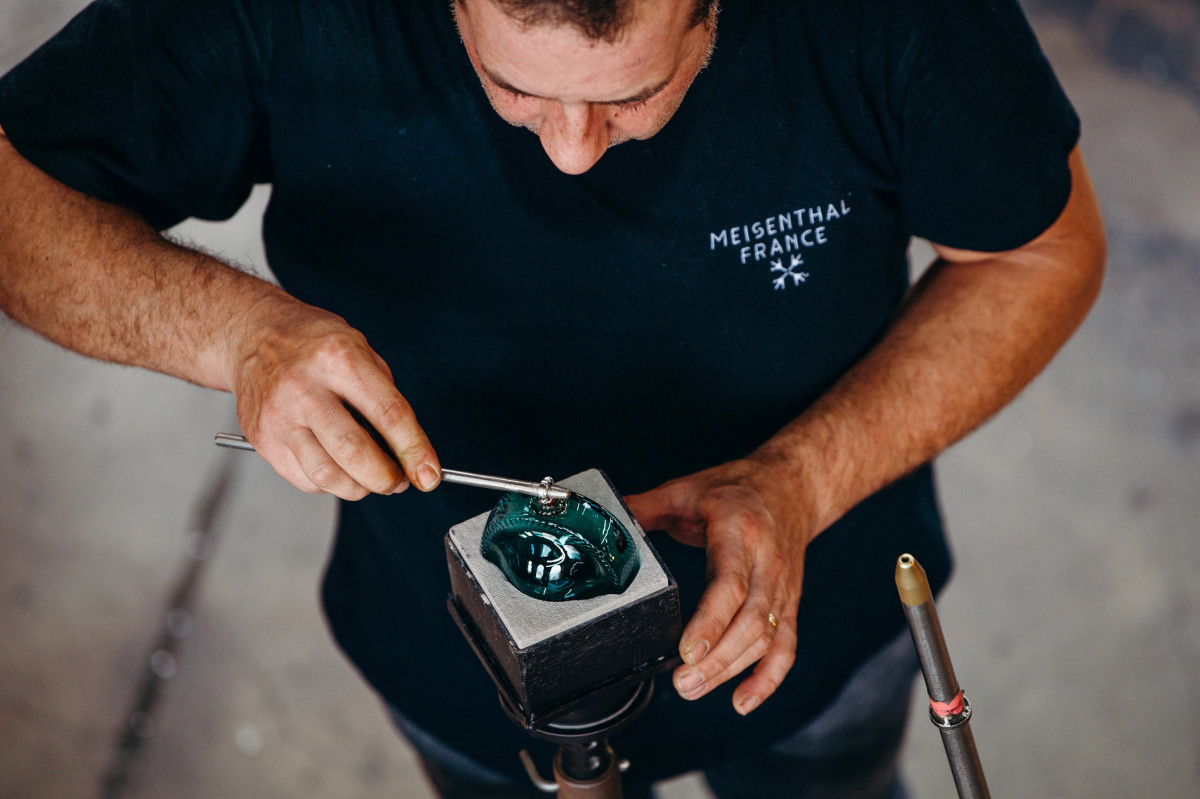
[138,724]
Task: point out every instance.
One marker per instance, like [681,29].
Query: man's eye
[512,94]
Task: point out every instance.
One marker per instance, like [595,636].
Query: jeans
[850,751]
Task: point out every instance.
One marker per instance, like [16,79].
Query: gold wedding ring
[774,621]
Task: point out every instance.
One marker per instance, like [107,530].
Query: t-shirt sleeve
[985,129]
[150,104]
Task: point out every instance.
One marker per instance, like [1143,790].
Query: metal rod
[551,491]
[231,441]
[545,489]
[949,709]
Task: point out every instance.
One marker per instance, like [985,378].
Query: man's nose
[575,135]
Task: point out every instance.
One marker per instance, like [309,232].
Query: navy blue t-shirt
[664,312]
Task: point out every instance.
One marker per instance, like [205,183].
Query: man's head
[598,20]
[586,74]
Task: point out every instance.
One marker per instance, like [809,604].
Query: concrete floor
[1074,617]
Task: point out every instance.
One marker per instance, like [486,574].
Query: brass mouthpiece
[911,581]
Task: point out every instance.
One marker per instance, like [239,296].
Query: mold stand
[585,766]
[572,673]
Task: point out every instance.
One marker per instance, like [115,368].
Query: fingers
[372,393]
[339,462]
[749,639]
[753,580]
[726,635]
[295,396]
[285,464]
[398,424]
[770,671]
[344,460]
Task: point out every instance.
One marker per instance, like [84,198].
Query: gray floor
[1074,617]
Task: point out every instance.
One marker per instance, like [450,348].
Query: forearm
[972,334]
[971,338]
[98,280]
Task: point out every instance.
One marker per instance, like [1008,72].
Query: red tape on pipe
[951,708]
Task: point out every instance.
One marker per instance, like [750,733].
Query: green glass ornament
[565,549]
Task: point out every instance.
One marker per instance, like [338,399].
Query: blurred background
[160,633]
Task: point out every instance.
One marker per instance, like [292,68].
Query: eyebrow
[642,96]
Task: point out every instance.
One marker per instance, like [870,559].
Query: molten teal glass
[566,549]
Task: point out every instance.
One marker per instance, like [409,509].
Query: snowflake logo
[788,271]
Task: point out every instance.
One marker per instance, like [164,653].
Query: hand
[296,371]
[755,531]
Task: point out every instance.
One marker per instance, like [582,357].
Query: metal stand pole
[949,709]
[591,771]
[585,766]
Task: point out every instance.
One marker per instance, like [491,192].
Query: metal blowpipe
[545,490]
[948,706]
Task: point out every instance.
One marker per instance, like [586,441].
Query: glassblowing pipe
[949,709]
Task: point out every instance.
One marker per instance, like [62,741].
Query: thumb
[671,508]
[649,508]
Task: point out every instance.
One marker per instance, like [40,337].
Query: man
[715,311]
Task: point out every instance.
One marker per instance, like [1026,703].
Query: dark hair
[600,20]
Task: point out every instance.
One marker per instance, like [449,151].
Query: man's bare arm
[97,279]
[975,330]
